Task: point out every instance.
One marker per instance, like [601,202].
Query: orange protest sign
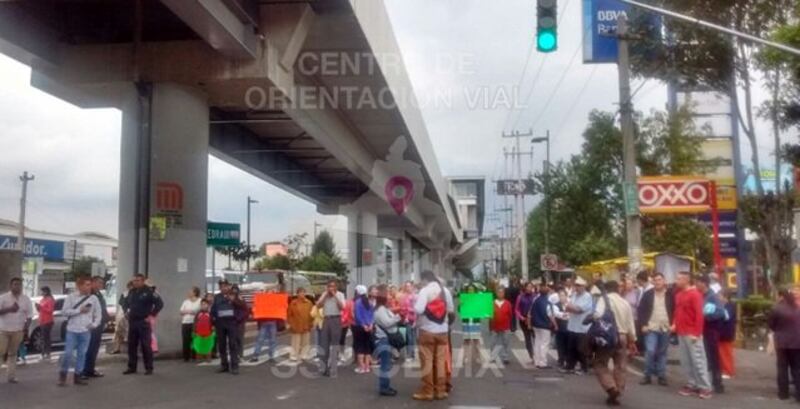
[270,305]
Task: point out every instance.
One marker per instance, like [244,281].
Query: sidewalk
[755,372]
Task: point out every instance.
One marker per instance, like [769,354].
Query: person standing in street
[521,310]
[500,326]
[409,319]
[331,303]
[512,293]
[562,320]
[46,307]
[543,322]
[224,313]
[688,326]
[434,304]
[189,309]
[714,315]
[784,322]
[386,322]
[655,313]
[579,307]
[98,285]
[83,313]
[142,303]
[267,334]
[121,327]
[299,319]
[613,382]
[16,312]
[727,337]
[363,330]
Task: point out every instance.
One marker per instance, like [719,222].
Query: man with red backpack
[434,304]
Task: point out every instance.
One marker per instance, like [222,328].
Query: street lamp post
[249,202]
[546,140]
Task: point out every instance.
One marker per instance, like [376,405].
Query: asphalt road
[178,385]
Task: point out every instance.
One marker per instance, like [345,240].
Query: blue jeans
[267,333]
[411,340]
[656,345]
[384,352]
[75,342]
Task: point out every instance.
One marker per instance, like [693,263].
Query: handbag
[396,339]
[603,333]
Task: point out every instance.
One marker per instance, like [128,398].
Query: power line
[558,85]
[521,78]
[576,101]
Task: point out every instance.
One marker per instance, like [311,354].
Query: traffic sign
[516,187]
[549,262]
[223,234]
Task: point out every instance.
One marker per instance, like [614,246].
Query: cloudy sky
[459,48]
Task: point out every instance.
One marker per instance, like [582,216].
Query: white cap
[361,289]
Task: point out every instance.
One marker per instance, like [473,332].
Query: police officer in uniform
[142,302]
[224,312]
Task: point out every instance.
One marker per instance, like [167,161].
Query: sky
[459,48]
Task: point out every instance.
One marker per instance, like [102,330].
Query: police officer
[224,312]
[142,302]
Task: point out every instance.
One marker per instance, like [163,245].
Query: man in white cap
[579,306]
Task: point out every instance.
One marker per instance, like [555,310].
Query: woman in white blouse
[189,309]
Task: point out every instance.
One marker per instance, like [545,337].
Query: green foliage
[82,267]
[585,196]
[324,244]
[276,262]
[756,305]
[773,215]
[323,258]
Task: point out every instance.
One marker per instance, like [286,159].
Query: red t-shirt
[46,308]
[502,317]
[689,313]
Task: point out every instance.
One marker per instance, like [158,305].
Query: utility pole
[249,202]
[546,140]
[633,223]
[520,200]
[25,178]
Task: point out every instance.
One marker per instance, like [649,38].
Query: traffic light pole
[633,222]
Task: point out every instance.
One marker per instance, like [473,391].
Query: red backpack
[202,324]
[436,310]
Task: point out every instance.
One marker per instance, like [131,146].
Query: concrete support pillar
[164,177]
[396,276]
[364,247]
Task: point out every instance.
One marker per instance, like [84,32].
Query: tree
[82,267]
[586,204]
[323,244]
[276,262]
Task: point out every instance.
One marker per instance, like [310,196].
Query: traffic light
[546,18]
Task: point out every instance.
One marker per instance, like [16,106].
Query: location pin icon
[399,192]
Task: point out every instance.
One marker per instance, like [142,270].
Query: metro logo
[674,195]
[169,197]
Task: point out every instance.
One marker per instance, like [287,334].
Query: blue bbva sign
[47,249]
[599,28]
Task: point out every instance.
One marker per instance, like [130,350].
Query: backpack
[202,324]
[436,310]
[603,334]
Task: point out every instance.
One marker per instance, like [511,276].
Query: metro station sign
[223,234]
[674,195]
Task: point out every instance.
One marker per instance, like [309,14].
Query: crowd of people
[589,325]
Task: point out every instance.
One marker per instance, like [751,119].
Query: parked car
[59,332]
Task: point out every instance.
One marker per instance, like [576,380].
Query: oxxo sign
[674,195]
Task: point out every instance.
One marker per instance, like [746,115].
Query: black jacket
[142,303]
[103,307]
[645,310]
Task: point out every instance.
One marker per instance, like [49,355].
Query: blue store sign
[599,25]
[47,249]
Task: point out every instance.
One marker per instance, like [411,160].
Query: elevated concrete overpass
[311,96]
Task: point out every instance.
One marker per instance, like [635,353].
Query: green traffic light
[546,41]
